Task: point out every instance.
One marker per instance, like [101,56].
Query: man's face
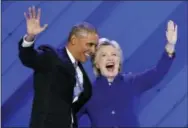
[86,46]
[108,61]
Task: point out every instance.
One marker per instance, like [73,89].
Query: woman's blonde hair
[106,42]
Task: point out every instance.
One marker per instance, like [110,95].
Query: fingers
[171,33]
[29,14]
[171,26]
[176,29]
[38,14]
[26,16]
[32,13]
[44,27]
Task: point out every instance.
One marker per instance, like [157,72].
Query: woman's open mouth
[110,66]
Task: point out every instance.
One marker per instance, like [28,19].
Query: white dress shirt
[78,70]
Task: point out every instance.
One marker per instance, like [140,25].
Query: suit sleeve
[146,80]
[35,59]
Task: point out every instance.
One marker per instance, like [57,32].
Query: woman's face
[108,60]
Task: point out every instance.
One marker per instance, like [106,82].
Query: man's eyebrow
[92,43]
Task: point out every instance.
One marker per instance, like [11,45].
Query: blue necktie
[78,88]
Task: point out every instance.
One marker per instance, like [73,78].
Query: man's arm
[35,59]
[27,54]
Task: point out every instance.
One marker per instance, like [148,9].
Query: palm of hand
[33,27]
[171,33]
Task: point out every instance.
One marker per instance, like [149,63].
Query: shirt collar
[71,56]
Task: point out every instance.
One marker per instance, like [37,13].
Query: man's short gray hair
[105,42]
[81,30]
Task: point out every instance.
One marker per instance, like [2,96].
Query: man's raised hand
[33,22]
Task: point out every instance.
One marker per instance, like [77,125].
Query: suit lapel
[85,76]
[69,68]
[67,64]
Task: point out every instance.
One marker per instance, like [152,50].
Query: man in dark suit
[61,86]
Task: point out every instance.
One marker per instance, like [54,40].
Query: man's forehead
[92,35]
[93,40]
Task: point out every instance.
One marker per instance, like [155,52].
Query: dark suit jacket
[54,81]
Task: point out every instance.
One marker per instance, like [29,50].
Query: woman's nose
[110,58]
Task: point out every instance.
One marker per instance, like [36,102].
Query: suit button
[113,112]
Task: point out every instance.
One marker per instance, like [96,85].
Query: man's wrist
[28,42]
[29,38]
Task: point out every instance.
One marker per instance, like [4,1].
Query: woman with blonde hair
[112,102]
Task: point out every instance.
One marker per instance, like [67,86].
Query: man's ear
[73,39]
